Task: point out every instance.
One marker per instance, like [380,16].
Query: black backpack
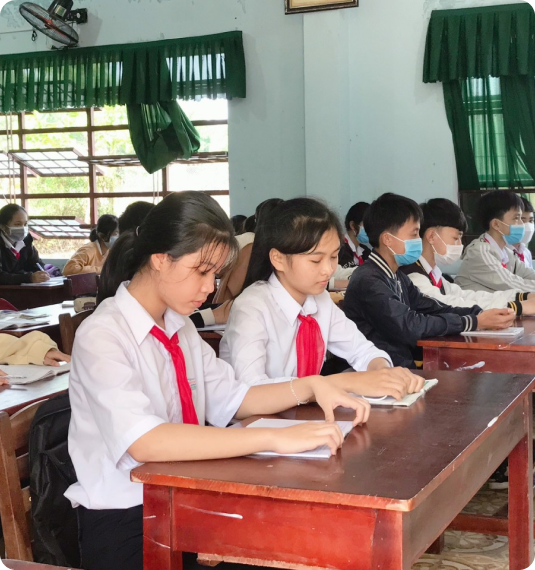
[55,525]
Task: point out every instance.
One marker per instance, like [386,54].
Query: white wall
[266,130]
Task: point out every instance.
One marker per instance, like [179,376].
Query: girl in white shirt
[282,325]
[143,383]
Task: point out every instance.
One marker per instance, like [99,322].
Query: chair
[83,284]
[7,306]
[68,326]
[14,473]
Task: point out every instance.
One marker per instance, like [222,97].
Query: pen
[39,266]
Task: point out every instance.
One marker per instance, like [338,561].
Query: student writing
[143,383]
[285,321]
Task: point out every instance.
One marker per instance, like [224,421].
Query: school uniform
[431,282]
[122,385]
[488,267]
[18,261]
[260,337]
[392,313]
[524,254]
[88,259]
[351,255]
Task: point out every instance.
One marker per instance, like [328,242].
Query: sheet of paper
[407,401]
[32,373]
[511,331]
[322,452]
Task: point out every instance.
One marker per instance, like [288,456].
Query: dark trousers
[111,539]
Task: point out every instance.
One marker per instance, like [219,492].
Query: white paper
[32,373]
[322,452]
[213,328]
[52,282]
[511,331]
[407,401]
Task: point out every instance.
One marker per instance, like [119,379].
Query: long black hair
[106,225]
[181,224]
[293,227]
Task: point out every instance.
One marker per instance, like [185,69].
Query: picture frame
[300,6]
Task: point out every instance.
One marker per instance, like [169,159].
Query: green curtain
[148,78]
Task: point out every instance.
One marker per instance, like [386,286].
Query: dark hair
[528,207]
[250,224]
[355,214]
[181,224]
[238,222]
[106,225]
[389,213]
[134,214]
[293,227]
[266,209]
[496,204]
[267,206]
[440,212]
[7,213]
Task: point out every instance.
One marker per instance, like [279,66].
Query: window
[82,164]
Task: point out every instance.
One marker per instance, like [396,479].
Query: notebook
[511,331]
[322,452]
[52,282]
[32,373]
[407,401]
[17,321]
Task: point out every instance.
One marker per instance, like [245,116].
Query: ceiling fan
[55,22]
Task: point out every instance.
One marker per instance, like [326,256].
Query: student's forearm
[273,398]
[378,364]
[181,442]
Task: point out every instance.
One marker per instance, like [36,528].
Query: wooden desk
[487,354]
[14,398]
[51,328]
[31,295]
[394,487]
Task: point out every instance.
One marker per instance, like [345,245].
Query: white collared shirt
[437,273]
[524,250]
[123,384]
[17,246]
[357,250]
[502,252]
[259,341]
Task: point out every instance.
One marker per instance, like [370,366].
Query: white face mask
[528,234]
[18,233]
[452,255]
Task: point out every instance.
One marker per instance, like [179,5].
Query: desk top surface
[33,286]
[53,312]
[522,343]
[399,455]
[14,398]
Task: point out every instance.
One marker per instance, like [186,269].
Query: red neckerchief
[15,253]
[520,256]
[358,258]
[504,265]
[436,283]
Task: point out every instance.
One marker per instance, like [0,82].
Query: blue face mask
[362,236]
[516,233]
[413,251]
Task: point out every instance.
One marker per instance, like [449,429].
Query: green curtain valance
[130,74]
[480,42]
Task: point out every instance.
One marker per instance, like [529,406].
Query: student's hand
[40,277]
[495,319]
[3,381]
[53,357]
[222,312]
[528,307]
[329,397]
[308,436]
[396,382]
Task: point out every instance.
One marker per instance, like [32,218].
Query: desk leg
[521,496]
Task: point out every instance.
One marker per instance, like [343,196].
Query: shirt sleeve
[79,263]
[113,389]
[245,343]
[28,349]
[346,341]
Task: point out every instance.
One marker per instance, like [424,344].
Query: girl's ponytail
[93,236]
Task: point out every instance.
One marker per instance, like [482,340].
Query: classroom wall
[335,106]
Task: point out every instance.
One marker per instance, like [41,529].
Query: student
[441,231]
[355,250]
[143,382]
[287,300]
[384,303]
[91,257]
[32,348]
[521,249]
[489,263]
[238,223]
[19,260]
[134,214]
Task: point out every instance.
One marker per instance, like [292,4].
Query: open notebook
[407,401]
[322,452]
[511,331]
[16,320]
[31,373]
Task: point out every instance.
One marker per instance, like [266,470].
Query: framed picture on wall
[295,6]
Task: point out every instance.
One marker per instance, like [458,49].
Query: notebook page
[511,331]
[32,373]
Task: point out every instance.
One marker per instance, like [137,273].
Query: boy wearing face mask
[91,257]
[19,260]
[489,262]
[387,308]
[521,249]
[442,229]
